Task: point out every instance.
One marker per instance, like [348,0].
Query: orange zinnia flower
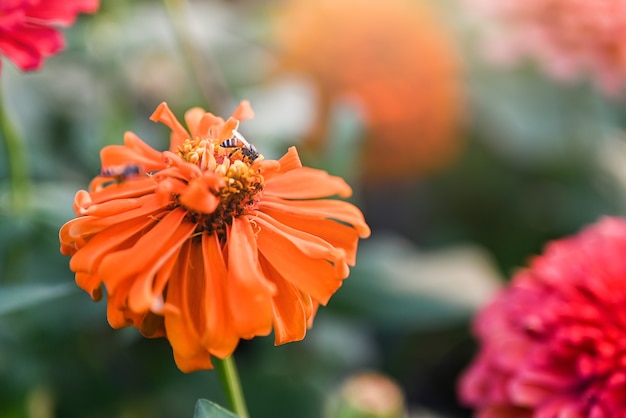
[208,242]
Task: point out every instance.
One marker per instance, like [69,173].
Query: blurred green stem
[212,88]
[227,371]
[16,156]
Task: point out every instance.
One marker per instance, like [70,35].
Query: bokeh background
[464,168]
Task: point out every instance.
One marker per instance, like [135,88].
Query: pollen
[239,195]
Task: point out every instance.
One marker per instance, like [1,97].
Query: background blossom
[568,38]
[553,342]
[395,61]
[27,28]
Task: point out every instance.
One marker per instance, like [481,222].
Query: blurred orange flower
[209,242]
[396,61]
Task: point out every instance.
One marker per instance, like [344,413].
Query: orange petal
[160,282]
[90,283]
[172,230]
[207,125]
[143,294]
[198,196]
[88,257]
[227,129]
[110,208]
[103,188]
[289,161]
[188,352]
[192,120]
[249,292]
[152,325]
[343,212]
[116,308]
[306,261]
[306,183]
[186,170]
[200,361]
[336,234]
[289,315]
[220,337]
[164,115]
[244,111]
[82,199]
[135,152]
[149,154]
[89,225]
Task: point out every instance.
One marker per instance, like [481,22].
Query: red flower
[27,32]
[554,341]
[209,242]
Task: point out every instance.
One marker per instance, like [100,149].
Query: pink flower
[553,343]
[567,37]
[27,28]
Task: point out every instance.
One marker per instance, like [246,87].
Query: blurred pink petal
[553,343]
[568,38]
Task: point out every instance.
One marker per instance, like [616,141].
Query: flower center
[242,186]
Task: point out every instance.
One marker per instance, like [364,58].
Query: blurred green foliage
[532,171]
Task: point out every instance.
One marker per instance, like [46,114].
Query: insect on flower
[208,243]
[121,172]
[239,142]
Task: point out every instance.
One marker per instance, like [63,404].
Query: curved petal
[90,283]
[243,111]
[103,188]
[88,225]
[306,183]
[271,168]
[198,195]
[199,361]
[118,314]
[133,152]
[152,325]
[288,310]
[164,115]
[227,129]
[145,293]
[220,337]
[121,235]
[337,210]
[188,352]
[193,117]
[307,262]
[336,234]
[110,208]
[208,126]
[249,291]
[171,231]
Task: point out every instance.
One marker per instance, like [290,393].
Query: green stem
[200,63]
[227,371]
[17,162]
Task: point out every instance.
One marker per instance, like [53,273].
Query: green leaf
[208,409]
[22,296]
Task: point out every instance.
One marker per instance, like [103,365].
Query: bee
[238,141]
[121,172]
